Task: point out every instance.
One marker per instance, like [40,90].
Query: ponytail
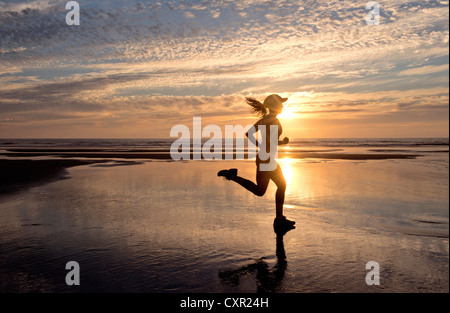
[257,107]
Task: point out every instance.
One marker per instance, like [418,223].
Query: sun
[288,113]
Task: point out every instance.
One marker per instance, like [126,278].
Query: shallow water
[176,227]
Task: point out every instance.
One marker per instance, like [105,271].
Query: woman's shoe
[228,174]
[282,224]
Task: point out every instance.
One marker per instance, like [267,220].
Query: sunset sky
[135,69]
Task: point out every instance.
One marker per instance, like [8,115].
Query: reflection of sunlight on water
[286,167]
[298,181]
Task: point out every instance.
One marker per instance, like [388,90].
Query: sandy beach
[158,226]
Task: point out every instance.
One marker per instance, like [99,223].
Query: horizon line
[153,138]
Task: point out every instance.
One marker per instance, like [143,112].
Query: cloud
[26,7]
[424,70]
[180,57]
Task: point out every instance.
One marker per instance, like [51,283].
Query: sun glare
[289,112]
[286,115]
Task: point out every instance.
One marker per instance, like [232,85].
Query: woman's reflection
[267,280]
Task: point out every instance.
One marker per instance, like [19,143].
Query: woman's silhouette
[268,111]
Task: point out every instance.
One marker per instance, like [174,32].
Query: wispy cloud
[430,69]
[177,58]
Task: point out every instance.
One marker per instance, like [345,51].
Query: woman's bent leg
[259,189]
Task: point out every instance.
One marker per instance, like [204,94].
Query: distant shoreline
[27,162]
[165,154]
[21,170]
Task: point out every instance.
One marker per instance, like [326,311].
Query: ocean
[144,144]
[330,148]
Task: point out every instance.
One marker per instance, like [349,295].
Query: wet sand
[162,226]
[19,174]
